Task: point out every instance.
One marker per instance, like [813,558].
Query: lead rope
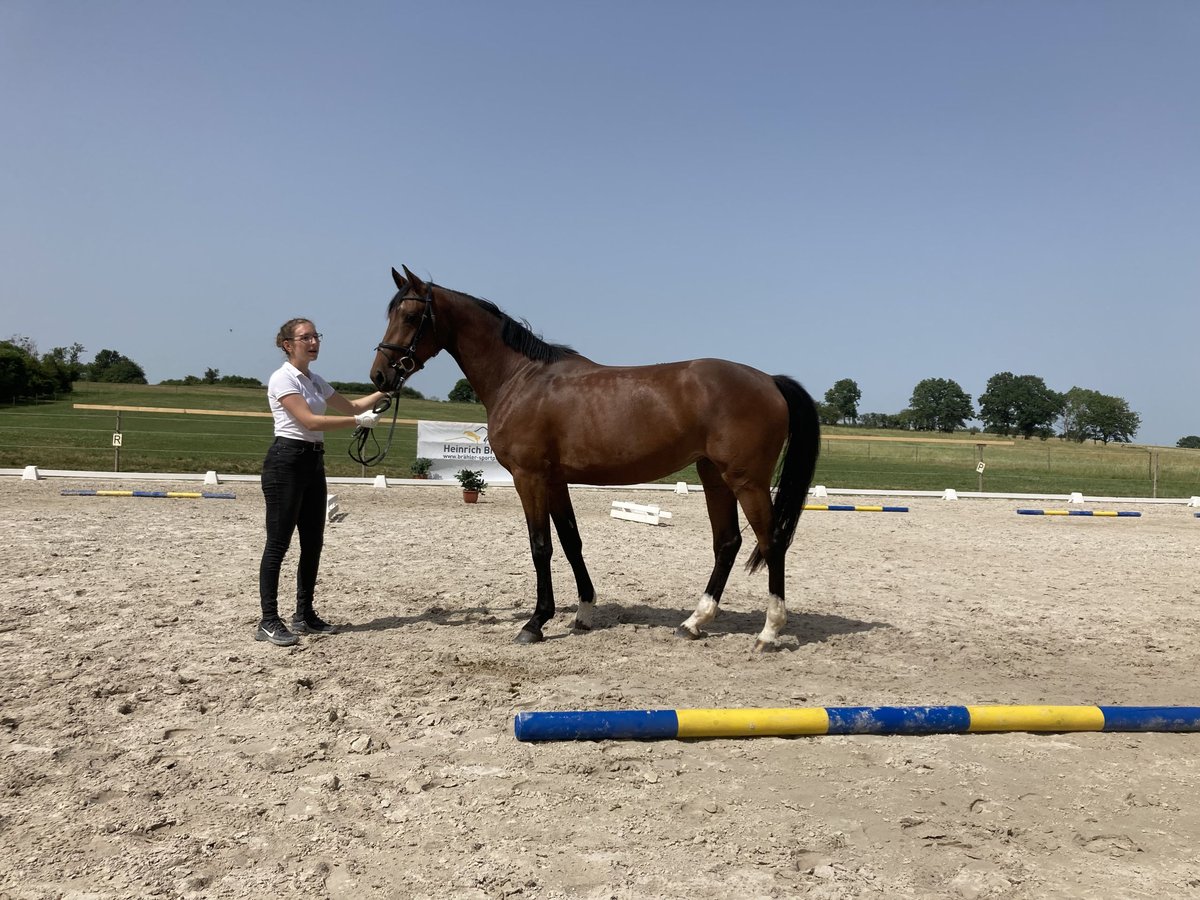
[358,445]
[404,366]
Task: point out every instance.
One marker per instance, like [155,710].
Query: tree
[212,376]
[827,413]
[1191,442]
[939,404]
[1113,420]
[881,420]
[462,392]
[1019,404]
[15,371]
[1101,417]
[67,359]
[111,367]
[1075,414]
[844,397]
[22,374]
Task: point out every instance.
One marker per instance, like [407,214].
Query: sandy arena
[150,748]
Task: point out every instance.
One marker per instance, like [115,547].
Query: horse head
[409,341]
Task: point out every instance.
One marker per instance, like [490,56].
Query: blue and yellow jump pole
[174,495]
[1112,513]
[680,724]
[832,507]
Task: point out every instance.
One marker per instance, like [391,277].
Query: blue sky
[883,191]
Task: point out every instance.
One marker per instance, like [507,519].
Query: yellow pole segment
[696,723]
[1035,718]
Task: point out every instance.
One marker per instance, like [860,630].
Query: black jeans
[293,482]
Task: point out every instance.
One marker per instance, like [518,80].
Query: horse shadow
[807,628]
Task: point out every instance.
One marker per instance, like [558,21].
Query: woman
[293,477]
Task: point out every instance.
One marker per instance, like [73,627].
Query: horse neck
[472,338]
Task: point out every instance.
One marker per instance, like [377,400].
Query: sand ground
[150,748]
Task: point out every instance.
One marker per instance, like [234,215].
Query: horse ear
[414,282]
[399,279]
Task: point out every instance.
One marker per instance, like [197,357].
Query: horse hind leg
[757,506]
[727,541]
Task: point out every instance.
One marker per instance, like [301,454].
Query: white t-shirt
[287,379]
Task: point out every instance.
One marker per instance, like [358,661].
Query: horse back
[613,424]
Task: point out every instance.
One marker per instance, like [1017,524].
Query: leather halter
[406,363]
[403,365]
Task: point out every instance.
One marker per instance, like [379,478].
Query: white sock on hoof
[706,611]
[776,620]
[584,613]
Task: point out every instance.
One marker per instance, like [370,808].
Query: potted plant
[420,467]
[472,484]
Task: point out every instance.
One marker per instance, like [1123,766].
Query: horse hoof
[525,636]
[767,647]
[578,628]
[687,635]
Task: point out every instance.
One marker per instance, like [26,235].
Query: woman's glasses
[308,338]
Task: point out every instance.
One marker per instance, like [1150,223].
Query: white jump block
[31,474]
[681,487]
[635,512]
[1195,501]
[819,491]
[331,506]
[1076,497]
[210,477]
[380,481]
[950,494]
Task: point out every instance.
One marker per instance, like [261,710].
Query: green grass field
[57,435]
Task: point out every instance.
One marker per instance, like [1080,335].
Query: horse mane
[520,337]
[516,335]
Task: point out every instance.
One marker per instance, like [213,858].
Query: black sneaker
[311,623]
[276,632]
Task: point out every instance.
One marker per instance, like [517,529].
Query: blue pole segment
[597,725]
[898,719]
[1151,718]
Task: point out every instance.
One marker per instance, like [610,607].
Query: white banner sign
[452,446]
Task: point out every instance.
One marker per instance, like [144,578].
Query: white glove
[367,419]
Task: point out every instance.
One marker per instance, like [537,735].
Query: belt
[318,446]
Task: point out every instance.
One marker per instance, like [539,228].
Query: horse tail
[799,464]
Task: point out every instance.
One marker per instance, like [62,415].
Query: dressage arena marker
[679,724]
[635,512]
[831,507]
[1110,513]
[174,495]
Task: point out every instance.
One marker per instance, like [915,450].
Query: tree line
[1010,405]
[24,373]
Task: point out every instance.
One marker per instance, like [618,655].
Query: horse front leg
[563,515]
[537,520]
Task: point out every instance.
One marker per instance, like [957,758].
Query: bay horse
[556,418]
